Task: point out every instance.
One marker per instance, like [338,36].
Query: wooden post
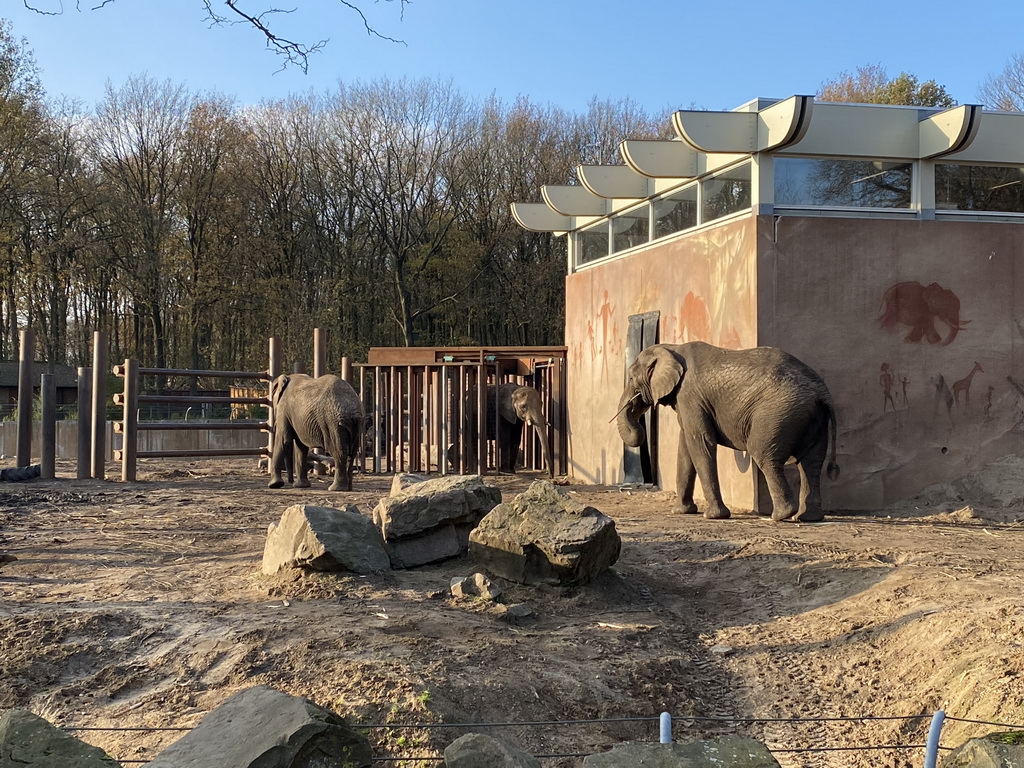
[481,418]
[99,405]
[130,421]
[84,421]
[48,451]
[378,403]
[298,367]
[346,369]
[27,355]
[320,355]
[273,371]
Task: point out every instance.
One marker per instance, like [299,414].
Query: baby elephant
[763,401]
[310,412]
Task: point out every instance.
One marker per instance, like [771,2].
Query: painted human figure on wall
[885,380]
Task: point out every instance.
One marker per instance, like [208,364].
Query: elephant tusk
[624,407]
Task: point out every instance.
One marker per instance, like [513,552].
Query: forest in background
[191,229]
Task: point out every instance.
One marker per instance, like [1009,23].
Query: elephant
[762,400]
[518,405]
[309,412]
[918,306]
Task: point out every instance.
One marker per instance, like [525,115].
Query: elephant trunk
[631,430]
[542,435]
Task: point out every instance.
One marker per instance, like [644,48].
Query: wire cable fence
[931,747]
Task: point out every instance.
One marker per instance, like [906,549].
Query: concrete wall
[704,284]
[911,412]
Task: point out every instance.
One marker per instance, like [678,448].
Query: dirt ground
[142,605]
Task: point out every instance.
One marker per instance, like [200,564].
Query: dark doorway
[640,465]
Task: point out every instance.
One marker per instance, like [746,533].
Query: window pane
[675,212]
[631,228]
[979,188]
[593,242]
[727,193]
[842,183]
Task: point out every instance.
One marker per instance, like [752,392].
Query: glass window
[631,228]
[842,183]
[726,193]
[593,242]
[675,212]
[979,188]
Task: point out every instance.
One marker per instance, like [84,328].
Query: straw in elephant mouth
[624,407]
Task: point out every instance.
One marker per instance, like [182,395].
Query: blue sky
[664,54]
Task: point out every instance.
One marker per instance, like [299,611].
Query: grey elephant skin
[762,400]
[518,405]
[308,413]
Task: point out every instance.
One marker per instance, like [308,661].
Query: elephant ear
[506,402]
[665,371]
[277,387]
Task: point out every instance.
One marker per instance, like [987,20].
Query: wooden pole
[48,451]
[130,421]
[320,355]
[27,355]
[99,405]
[84,422]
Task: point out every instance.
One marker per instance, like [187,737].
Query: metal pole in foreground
[48,428]
[931,750]
[28,353]
[130,421]
[99,405]
[84,423]
[665,729]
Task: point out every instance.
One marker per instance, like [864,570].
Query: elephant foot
[783,513]
[685,508]
[275,483]
[809,516]
[340,487]
[717,512]
[302,482]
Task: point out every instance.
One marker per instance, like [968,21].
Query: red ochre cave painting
[919,307]
[894,387]
[694,319]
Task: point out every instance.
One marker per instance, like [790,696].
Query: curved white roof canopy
[794,126]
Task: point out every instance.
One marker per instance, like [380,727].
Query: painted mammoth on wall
[763,401]
[518,406]
[309,412]
[918,307]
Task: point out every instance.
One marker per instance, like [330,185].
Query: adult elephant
[518,406]
[763,401]
[309,412]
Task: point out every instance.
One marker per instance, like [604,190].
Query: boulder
[730,751]
[264,728]
[475,585]
[544,536]
[429,521]
[29,741]
[324,539]
[474,750]
[996,750]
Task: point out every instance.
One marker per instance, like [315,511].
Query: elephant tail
[832,469]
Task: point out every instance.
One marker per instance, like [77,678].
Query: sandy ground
[142,605]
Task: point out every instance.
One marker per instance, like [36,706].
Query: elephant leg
[511,439]
[342,472]
[686,479]
[302,460]
[810,482]
[703,454]
[783,503]
[279,458]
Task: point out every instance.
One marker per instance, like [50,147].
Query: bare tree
[262,20]
[871,85]
[1006,90]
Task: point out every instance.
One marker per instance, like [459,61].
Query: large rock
[29,741]
[997,750]
[324,539]
[474,750]
[725,751]
[264,728]
[429,521]
[544,536]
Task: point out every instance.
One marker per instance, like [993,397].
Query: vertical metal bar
[26,356]
[363,426]
[48,430]
[378,417]
[481,418]
[99,405]
[428,416]
[557,418]
[931,752]
[274,364]
[84,421]
[665,728]
[443,416]
[130,421]
[415,421]
[320,354]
